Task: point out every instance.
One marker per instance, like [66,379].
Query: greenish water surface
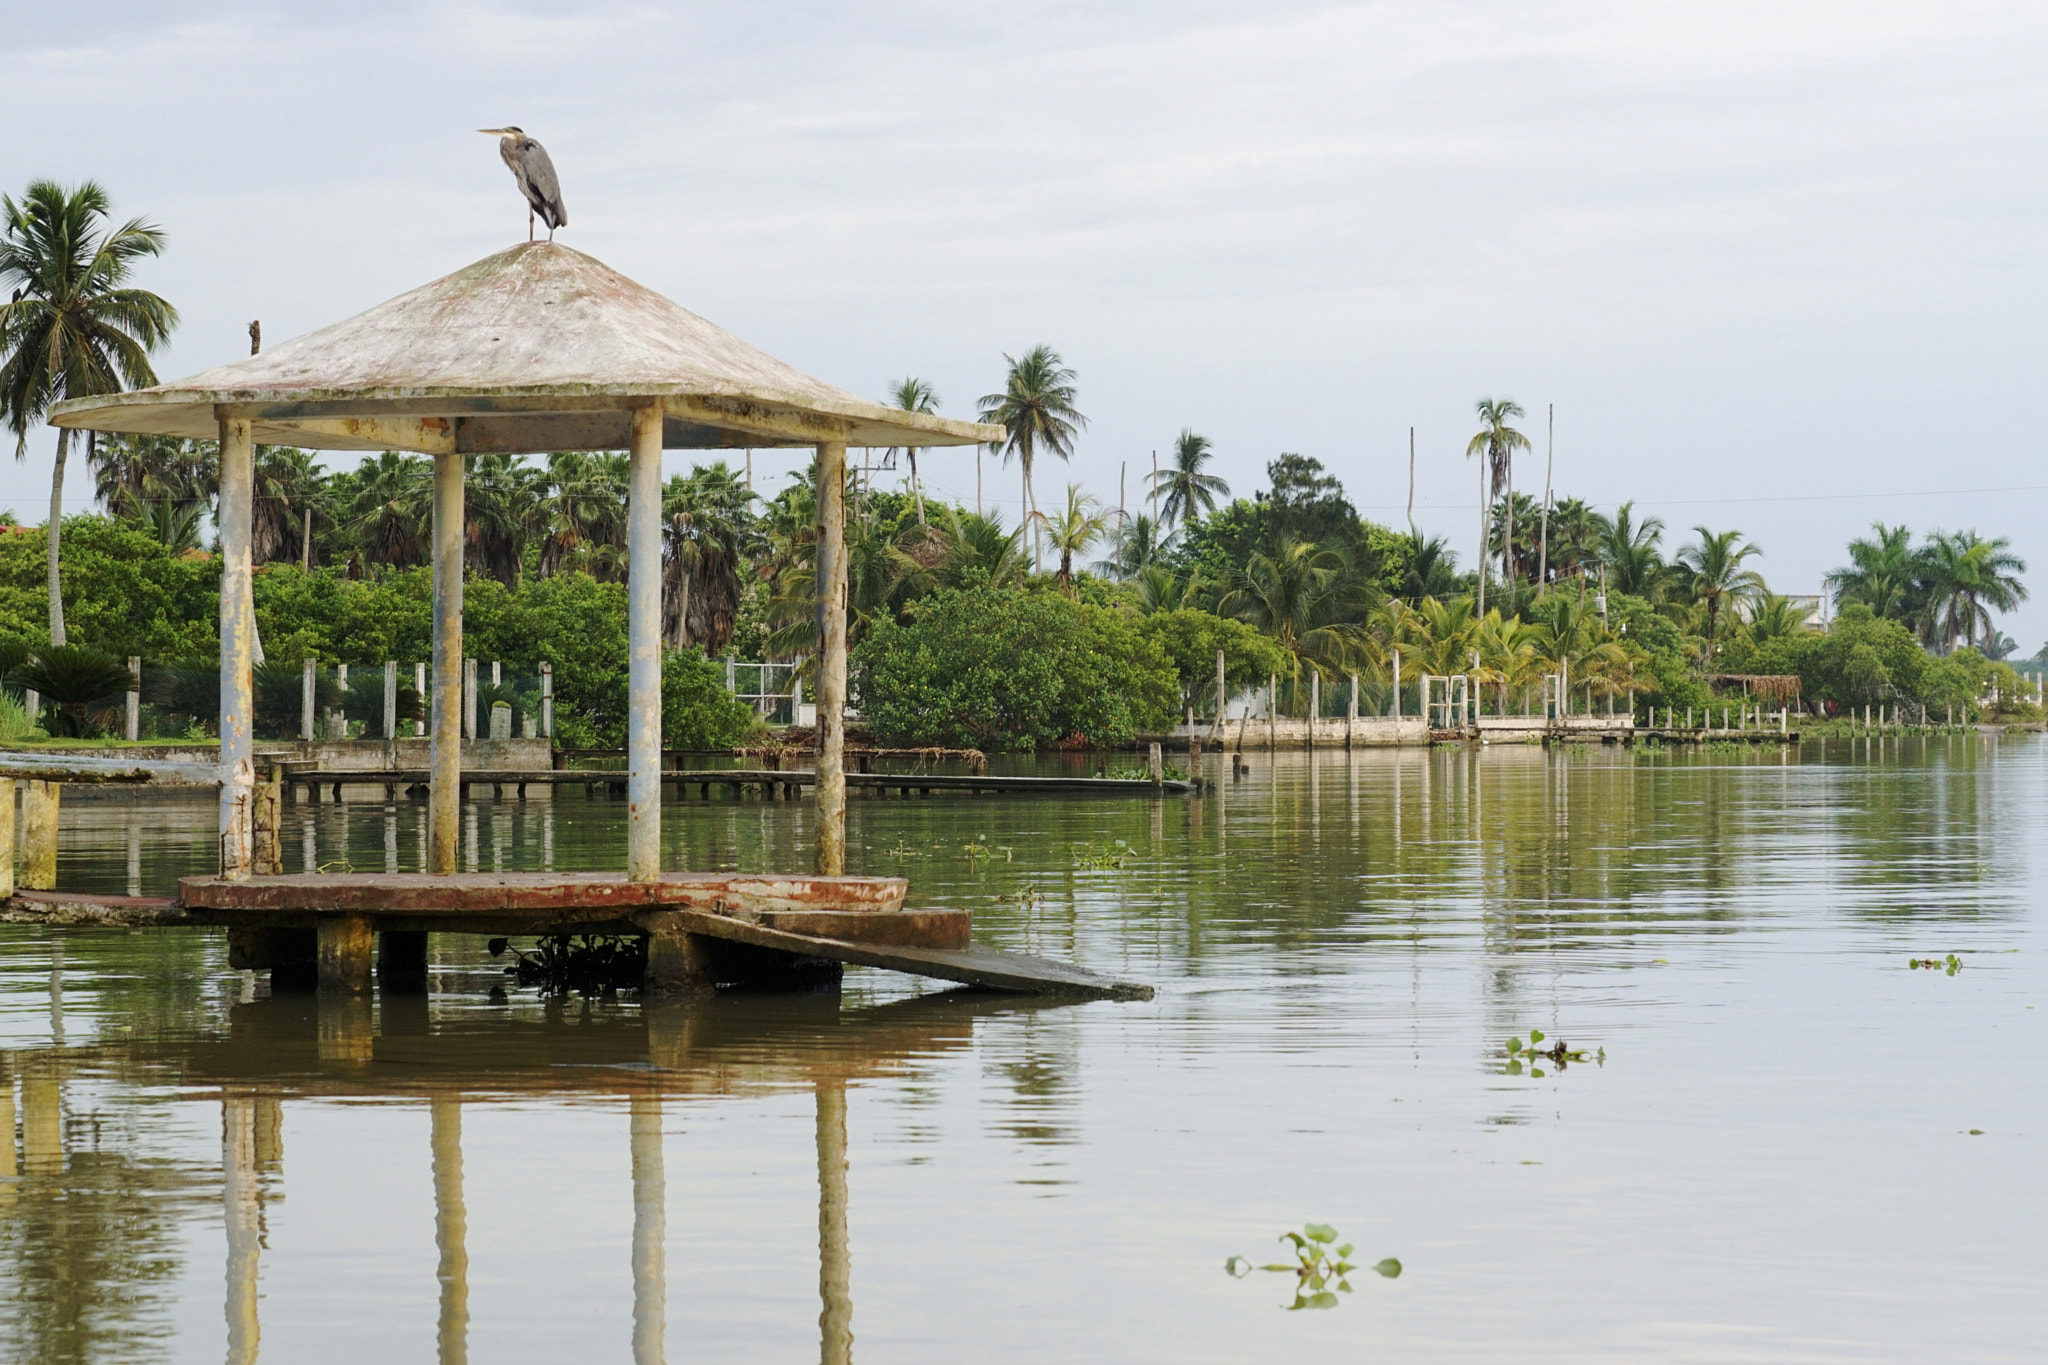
[1785,1144]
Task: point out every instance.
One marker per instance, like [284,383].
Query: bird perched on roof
[536,176]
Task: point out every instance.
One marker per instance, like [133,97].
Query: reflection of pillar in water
[134,857]
[244,1224]
[309,846]
[451,1230]
[835,1260]
[57,990]
[8,1168]
[344,1026]
[421,822]
[650,1229]
[547,838]
[501,837]
[469,836]
[42,1117]
[391,838]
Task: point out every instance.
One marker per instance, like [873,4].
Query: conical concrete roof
[537,348]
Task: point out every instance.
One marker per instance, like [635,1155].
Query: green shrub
[995,668]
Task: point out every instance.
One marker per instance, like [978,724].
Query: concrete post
[650,1233]
[1394,700]
[1315,706]
[391,699]
[643,620]
[469,698]
[337,719]
[547,699]
[1272,712]
[835,1259]
[1351,712]
[831,576]
[451,1230]
[444,808]
[1155,765]
[1222,697]
[237,646]
[345,946]
[133,729]
[419,685]
[309,677]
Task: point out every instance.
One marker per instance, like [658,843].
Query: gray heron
[536,176]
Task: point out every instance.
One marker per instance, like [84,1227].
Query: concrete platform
[706,929]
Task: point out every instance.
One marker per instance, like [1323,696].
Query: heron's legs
[529,225]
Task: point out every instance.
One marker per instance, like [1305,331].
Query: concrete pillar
[345,947]
[1394,700]
[133,729]
[547,700]
[237,646]
[451,1230]
[1351,712]
[835,1258]
[1272,709]
[39,810]
[390,699]
[419,685]
[1155,765]
[1222,697]
[831,584]
[309,682]
[243,1214]
[650,1233]
[1315,706]
[677,963]
[445,784]
[469,689]
[643,613]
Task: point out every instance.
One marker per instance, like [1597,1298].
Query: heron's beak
[494,132]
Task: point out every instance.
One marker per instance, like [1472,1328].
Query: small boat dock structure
[770,783]
[534,349]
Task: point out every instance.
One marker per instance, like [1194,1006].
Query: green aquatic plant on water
[1321,1269]
[1092,857]
[1948,966]
[1557,1054]
[588,964]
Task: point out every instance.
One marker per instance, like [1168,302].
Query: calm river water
[1785,1145]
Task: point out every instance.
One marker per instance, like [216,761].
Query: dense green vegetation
[1081,625]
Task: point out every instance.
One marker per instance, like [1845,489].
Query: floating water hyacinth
[1321,1269]
[1558,1054]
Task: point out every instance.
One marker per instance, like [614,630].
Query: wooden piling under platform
[769,924]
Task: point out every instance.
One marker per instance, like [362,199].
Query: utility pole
[1549,465]
[1411,482]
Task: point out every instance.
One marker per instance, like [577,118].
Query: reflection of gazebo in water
[289,1048]
[539,348]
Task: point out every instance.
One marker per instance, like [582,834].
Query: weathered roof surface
[536,348]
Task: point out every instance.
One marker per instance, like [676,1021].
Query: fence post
[497,673]
[6,860]
[134,730]
[1394,701]
[339,721]
[419,685]
[469,698]
[1315,707]
[1351,712]
[1272,711]
[1156,765]
[1221,700]
[391,699]
[308,688]
[547,700]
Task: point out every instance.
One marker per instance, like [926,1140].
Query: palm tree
[1140,544]
[1775,617]
[583,515]
[1881,573]
[1190,494]
[500,507]
[709,524]
[391,516]
[1716,574]
[1498,442]
[1432,568]
[915,395]
[157,480]
[1036,408]
[290,497]
[1967,577]
[73,328]
[1629,550]
[1308,600]
[1072,531]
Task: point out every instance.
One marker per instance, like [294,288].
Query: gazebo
[538,348]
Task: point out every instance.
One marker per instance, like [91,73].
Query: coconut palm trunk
[52,552]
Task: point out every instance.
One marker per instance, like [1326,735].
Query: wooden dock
[705,930]
[772,783]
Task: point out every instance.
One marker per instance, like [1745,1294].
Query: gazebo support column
[237,648]
[831,742]
[444,788]
[643,609]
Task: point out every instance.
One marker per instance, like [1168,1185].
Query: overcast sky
[1778,266]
